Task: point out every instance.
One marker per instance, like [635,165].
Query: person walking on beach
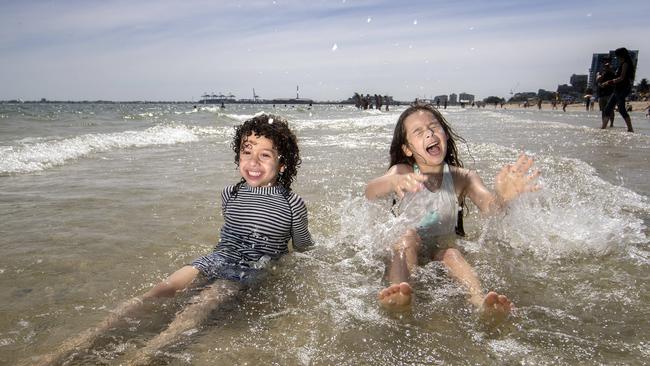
[261,214]
[622,87]
[605,91]
[425,169]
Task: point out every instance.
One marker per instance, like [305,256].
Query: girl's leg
[404,258]
[177,281]
[190,318]
[492,305]
[622,109]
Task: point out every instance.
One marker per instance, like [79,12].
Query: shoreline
[637,106]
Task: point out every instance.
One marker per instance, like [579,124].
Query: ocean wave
[27,157]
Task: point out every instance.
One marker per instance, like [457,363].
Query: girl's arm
[400,179]
[511,181]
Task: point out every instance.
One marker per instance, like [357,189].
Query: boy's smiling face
[259,161]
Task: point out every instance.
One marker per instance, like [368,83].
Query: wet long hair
[631,67]
[397,155]
[284,141]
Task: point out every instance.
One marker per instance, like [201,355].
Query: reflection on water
[100,225]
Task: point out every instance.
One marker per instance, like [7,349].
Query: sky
[163,50]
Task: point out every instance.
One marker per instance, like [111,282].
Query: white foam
[25,157]
[576,212]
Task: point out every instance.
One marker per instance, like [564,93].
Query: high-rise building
[579,82]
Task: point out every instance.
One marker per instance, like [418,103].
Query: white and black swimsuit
[259,222]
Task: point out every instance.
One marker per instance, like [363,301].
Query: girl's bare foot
[396,297]
[495,307]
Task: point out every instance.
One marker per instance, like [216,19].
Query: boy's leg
[492,305]
[177,281]
[190,318]
[404,258]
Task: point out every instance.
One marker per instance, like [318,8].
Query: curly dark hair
[284,141]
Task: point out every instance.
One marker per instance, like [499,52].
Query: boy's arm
[301,238]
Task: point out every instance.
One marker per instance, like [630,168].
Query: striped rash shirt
[260,221]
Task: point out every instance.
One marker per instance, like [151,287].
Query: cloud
[169,50]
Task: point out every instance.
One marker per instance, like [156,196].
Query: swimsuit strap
[447,179]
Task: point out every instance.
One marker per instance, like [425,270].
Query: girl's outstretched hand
[514,179]
[411,182]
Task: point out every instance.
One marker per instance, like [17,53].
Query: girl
[261,215]
[424,159]
[622,87]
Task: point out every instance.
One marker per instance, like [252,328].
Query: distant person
[358,102]
[223,106]
[445,104]
[387,101]
[564,105]
[587,101]
[437,103]
[604,92]
[622,87]
[539,104]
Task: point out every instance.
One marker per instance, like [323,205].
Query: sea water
[99,202]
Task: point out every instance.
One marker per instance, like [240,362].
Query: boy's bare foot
[396,297]
[495,307]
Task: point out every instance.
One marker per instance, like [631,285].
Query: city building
[466,98]
[579,82]
[453,98]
